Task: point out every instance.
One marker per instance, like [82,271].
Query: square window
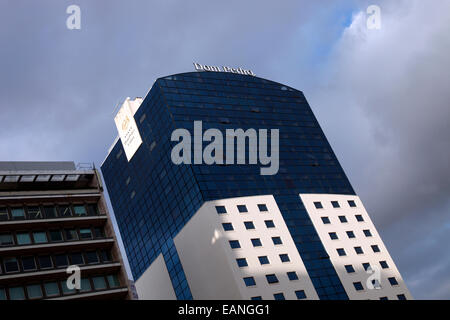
[2,294]
[325,220]
[351,203]
[16,293]
[401,297]
[256,242]
[99,233]
[92,209]
[221,209]
[34,291]
[359,218]
[23,238]
[358,286]
[85,285]
[350,234]
[71,234]
[40,237]
[249,281]
[61,260]
[343,219]
[349,268]
[263,260]
[17,213]
[292,275]
[50,212]
[113,281]
[271,278]
[92,257]
[6,239]
[85,234]
[269,223]
[300,294]
[45,262]
[333,235]
[99,283]
[335,204]
[65,211]
[51,289]
[359,250]
[28,264]
[55,236]
[65,288]
[384,265]
[341,252]
[318,205]
[279,296]
[234,244]
[242,208]
[242,262]
[256,298]
[249,225]
[262,207]
[284,257]
[277,240]
[366,266]
[367,233]
[393,281]
[76,258]
[4,215]
[79,210]
[34,213]
[384,298]
[227,226]
[375,248]
[105,255]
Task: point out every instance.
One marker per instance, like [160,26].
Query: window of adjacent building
[40,237]
[85,285]
[343,219]
[401,297]
[105,255]
[335,204]
[269,223]
[358,286]
[76,258]
[34,212]
[375,248]
[34,291]
[262,208]
[367,233]
[393,281]
[113,281]
[10,264]
[50,212]
[277,240]
[92,209]
[79,210]
[2,294]
[242,208]
[61,260]
[249,225]
[51,289]
[333,235]
[349,268]
[284,257]
[249,281]
[300,294]
[241,262]
[359,250]
[65,211]
[234,244]
[45,262]
[359,218]
[4,214]
[292,275]
[325,220]
[17,213]
[55,235]
[318,205]
[341,252]
[16,293]
[384,264]
[221,209]
[350,234]
[227,226]
[271,278]
[23,238]
[351,203]
[256,242]
[28,264]
[65,288]
[85,233]
[263,260]
[6,239]
[71,234]
[92,257]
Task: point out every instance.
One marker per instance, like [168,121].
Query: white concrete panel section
[210,263]
[348,244]
[155,283]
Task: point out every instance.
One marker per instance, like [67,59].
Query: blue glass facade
[153,198]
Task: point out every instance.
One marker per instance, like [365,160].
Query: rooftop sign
[200,67]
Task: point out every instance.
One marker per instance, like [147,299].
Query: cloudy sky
[381,96]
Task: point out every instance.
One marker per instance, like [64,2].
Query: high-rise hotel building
[224,231]
[53,216]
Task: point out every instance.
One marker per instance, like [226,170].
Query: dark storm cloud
[381,96]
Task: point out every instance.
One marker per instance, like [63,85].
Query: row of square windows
[272,279]
[242,262]
[256,242]
[48,212]
[241,208]
[350,269]
[341,251]
[228,226]
[350,234]
[300,294]
[343,219]
[335,204]
[359,286]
